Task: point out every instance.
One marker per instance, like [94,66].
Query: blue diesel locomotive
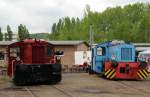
[116,60]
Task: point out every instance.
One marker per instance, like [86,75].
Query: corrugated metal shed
[141,44]
[142,48]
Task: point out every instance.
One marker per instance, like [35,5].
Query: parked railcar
[117,60]
[33,61]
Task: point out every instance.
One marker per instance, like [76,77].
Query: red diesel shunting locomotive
[33,61]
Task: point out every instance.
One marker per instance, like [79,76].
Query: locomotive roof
[112,43]
[29,41]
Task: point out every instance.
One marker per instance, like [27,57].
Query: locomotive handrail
[12,67]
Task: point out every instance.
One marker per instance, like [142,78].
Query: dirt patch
[4,79]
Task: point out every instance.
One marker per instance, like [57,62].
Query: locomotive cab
[116,60]
[33,61]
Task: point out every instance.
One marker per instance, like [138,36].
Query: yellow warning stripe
[110,73]
[113,75]
[107,72]
[145,72]
[142,73]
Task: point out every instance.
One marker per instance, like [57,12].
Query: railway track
[133,87]
[34,94]
[27,91]
[14,91]
[129,85]
[62,91]
[30,92]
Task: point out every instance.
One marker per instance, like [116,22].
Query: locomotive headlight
[17,59]
[58,57]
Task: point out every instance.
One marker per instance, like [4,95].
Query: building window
[1,55]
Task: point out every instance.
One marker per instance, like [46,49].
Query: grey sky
[39,15]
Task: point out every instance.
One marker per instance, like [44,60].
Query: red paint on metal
[131,69]
[32,51]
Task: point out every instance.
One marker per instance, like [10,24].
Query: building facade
[68,47]
[3,53]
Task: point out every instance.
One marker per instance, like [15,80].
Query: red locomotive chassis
[125,70]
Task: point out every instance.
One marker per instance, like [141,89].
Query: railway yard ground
[78,85]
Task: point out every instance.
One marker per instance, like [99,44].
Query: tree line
[23,33]
[129,23]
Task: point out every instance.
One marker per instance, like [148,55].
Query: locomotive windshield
[49,51]
[101,51]
[126,53]
[15,52]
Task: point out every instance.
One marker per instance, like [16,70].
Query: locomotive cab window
[15,52]
[49,51]
[101,51]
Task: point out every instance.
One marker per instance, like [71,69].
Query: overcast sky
[39,15]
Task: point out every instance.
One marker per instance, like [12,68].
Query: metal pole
[91,36]
[91,43]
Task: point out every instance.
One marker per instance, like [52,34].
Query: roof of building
[142,48]
[141,44]
[6,42]
[52,42]
[67,42]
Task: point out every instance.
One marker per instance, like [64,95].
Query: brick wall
[68,58]
[69,50]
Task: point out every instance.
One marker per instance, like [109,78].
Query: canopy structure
[145,52]
[145,56]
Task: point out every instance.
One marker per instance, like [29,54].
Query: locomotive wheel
[56,74]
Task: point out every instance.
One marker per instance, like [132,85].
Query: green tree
[6,36]
[23,32]
[1,35]
[127,23]
[9,33]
